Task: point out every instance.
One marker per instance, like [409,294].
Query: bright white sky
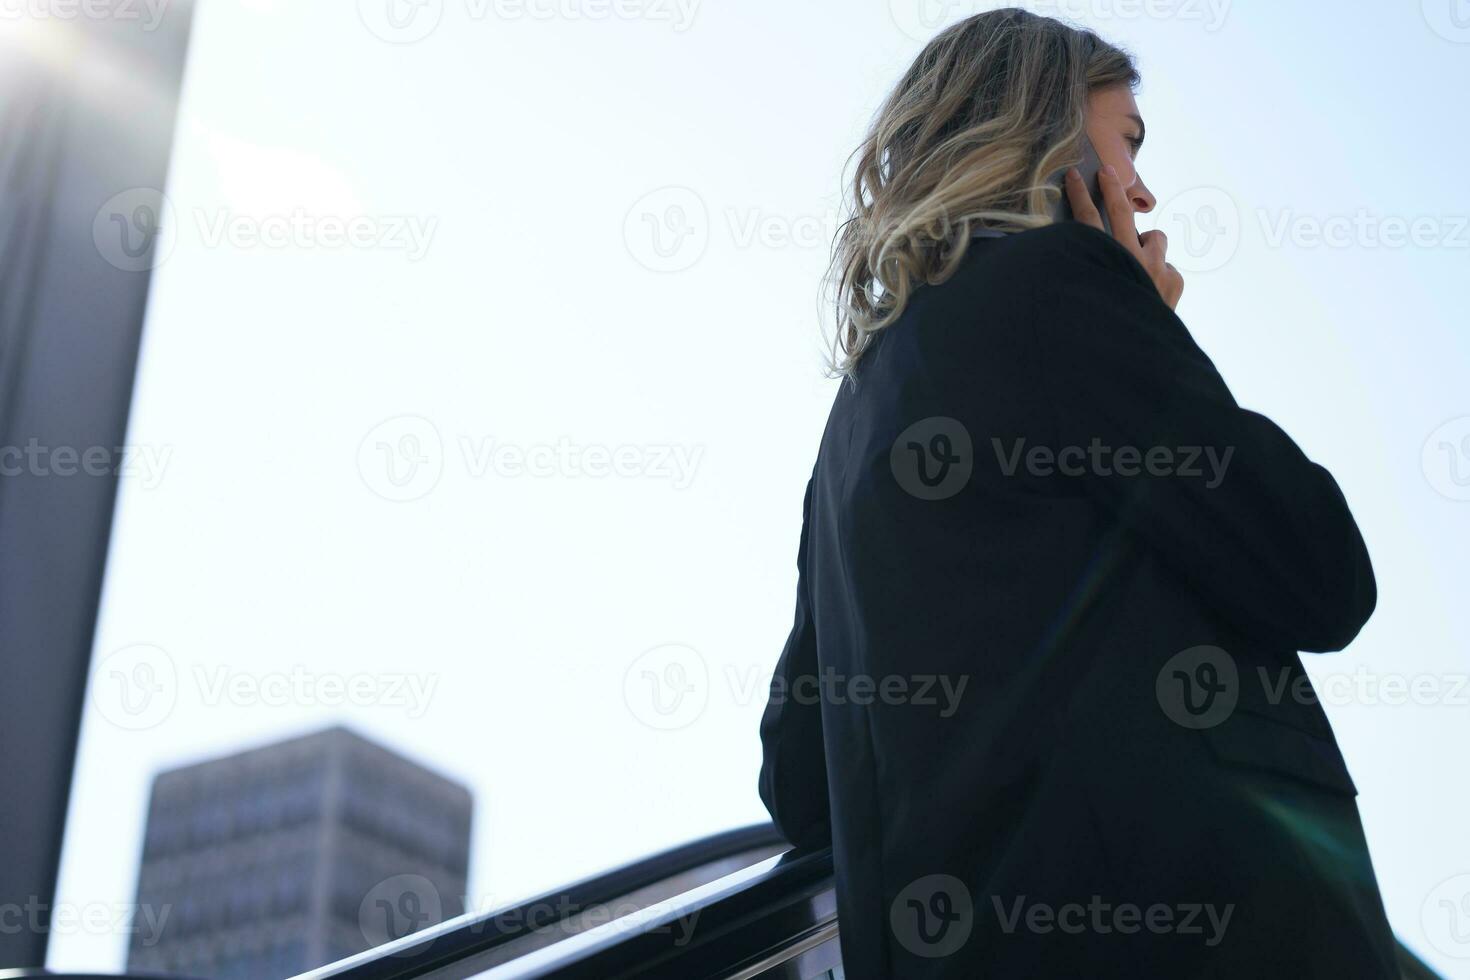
[516,296]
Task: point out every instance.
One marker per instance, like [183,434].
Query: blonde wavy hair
[973,136]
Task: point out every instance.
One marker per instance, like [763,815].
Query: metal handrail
[474,934]
[746,923]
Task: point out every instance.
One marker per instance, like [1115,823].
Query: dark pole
[87,108]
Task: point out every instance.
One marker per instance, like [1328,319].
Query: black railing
[747,926]
[557,915]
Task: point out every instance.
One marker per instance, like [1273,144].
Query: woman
[1042,693]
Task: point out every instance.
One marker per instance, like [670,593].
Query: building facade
[281,859]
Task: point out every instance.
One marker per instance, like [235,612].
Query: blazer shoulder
[1014,296]
[1063,248]
[1007,281]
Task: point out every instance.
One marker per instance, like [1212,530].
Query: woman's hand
[1150,249]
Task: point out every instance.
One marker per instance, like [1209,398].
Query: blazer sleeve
[793,778]
[1267,538]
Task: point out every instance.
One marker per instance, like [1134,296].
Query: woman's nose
[1143,199]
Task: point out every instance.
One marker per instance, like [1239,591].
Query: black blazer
[1042,693]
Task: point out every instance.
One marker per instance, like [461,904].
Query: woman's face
[1116,130]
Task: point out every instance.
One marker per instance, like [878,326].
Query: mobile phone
[1090,167]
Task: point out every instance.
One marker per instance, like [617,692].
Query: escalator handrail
[470,934]
[765,908]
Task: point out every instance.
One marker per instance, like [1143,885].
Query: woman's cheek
[1127,173]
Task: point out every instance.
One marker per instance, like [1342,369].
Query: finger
[1120,212]
[1155,246]
[1148,238]
[1082,207]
